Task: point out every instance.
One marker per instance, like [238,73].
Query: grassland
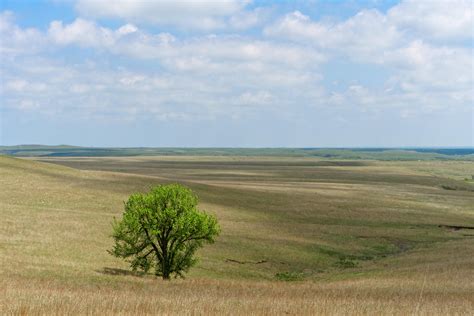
[386,154]
[361,237]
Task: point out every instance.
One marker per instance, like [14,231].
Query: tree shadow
[116,271]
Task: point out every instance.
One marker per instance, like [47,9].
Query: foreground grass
[441,286]
[300,216]
[395,296]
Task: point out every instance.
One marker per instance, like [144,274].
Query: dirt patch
[245,262]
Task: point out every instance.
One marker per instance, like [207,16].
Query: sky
[237,73]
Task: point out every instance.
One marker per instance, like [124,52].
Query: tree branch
[151,242]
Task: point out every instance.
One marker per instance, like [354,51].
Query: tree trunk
[165,265]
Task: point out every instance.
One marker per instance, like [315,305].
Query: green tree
[162,230]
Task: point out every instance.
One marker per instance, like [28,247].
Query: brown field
[363,237]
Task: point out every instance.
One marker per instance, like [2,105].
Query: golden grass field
[294,215]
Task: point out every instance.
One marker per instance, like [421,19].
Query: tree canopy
[162,230]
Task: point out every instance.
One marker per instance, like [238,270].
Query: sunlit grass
[277,216]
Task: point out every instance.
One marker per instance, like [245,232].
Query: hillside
[359,235]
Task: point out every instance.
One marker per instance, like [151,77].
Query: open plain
[299,236]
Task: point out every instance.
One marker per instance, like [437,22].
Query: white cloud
[98,90]
[127,29]
[426,70]
[80,88]
[83,33]
[237,76]
[415,41]
[370,34]
[364,36]
[196,53]
[296,26]
[201,77]
[200,14]
[131,80]
[27,104]
[256,98]
[447,20]
[15,40]
[248,19]
[23,86]
[16,85]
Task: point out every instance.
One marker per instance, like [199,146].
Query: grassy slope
[299,215]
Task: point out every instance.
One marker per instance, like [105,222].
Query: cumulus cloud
[199,78]
[427,20]
[426,70]
[16,40]
[415,41]
[198,53]
[281,73]
[447,20]
[363,36]
[82,32]
[205,15]
[127,29]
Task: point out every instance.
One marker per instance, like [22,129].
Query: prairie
[357,236]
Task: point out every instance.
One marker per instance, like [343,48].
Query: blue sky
[237,73]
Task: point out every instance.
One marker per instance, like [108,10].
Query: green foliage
[162,230]
[346,263]
[448,187]
[289,276]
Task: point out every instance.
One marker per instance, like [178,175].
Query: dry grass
[300,215]
[390,295]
